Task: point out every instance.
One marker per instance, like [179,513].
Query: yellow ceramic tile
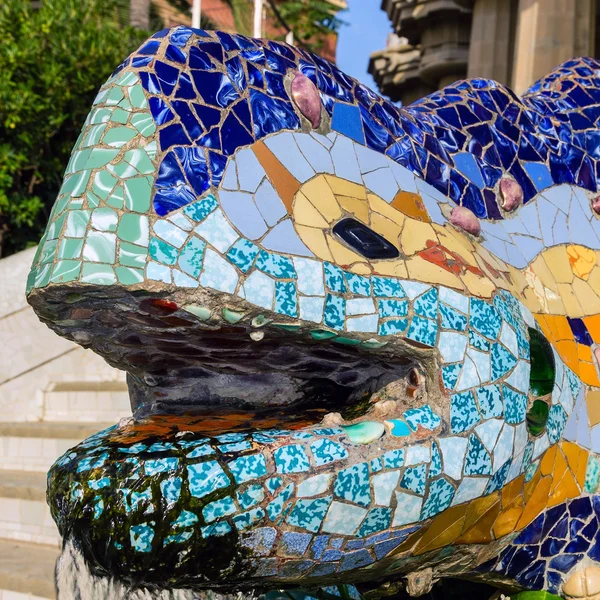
[383,208]
[558,472]
[395,268]
[570,300]
[427,272]
[582,260]
[507,520]
[537,502]
[557,260]
[568,352]
[444,529]
[566,488]
[541,270]
[386,228]
[341,254]
[306,214]
[315,240]
[548,461]
[324,200]
[415,236]
[481,531]
[411,205]
[512,490]
[594,278]
[530,486]
[478,286]
[592,400]
[479,507]
[356,207]
[343,187]
[588,299]
[361,268]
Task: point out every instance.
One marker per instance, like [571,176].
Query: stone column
[549,32]
[490,50]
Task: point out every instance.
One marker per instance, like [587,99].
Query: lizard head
[325,354]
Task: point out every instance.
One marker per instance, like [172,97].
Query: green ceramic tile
[123,170]
[104,219]
[55,228]
[162,252]
[76,203]
[43,276]
[98,274]
[92,200]
[101,96]
[117,198]
[118,136]
[151,150]
[129,276]
[119,115]
[144,123]
[129,78]
[100,115]
[115,95]
[103,184]
[125,104]
[133,228]
[137,96]
[137,193]
[66,270]
[79,160]
[70,248]
[100,157]
[31,280]
[77,221]
[100,247]
[132,256]
[49,251]
[94,135]
[139,160]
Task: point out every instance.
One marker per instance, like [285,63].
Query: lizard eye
[364,240]
[541,381]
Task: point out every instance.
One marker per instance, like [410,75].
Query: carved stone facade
[512,41]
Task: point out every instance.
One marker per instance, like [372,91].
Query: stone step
[26,571]
[86,401]
[35,445]
[24,514]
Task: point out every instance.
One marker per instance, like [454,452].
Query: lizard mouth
[230,368]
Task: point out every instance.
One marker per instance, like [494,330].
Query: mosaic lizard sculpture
[360,340]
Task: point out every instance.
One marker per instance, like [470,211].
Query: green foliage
[311,20]
[52,61]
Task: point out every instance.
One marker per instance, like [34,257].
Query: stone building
[515,42]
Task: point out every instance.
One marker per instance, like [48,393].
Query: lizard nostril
[413,377]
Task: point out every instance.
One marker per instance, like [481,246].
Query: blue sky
[366,31]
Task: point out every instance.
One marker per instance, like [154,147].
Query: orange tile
[560,467]
[283,181]
[548,460]
[566,488]
[593,326]
[530,486]
[568,352]
[411,205]
[584,353]
[511,491]
[537,502]
[588,374]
